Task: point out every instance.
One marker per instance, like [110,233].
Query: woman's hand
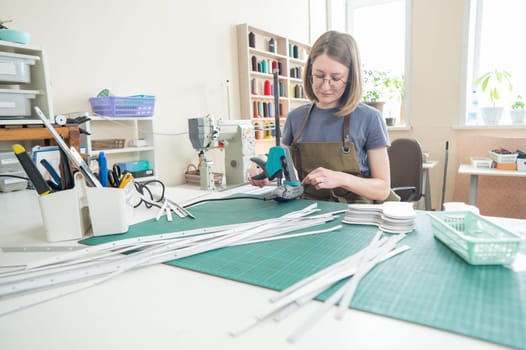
[323,178]
[259,183]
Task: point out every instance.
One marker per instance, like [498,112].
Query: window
[495,37]
[383,52]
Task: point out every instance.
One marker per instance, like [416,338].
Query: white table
[165,307]
[475,172]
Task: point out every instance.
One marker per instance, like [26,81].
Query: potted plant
[380,87]
[518,111]
[493,84]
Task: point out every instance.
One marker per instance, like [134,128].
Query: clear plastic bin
[477,240]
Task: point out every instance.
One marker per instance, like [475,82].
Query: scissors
[115,176]
[118,179]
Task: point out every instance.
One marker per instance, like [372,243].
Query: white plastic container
[69,214]
[16,103]
[503,158]
[14,67]
[521,164]
[481,162]
[65,214]
[110,209]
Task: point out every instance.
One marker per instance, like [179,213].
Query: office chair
[405,160]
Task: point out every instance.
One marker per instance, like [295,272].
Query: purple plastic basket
[113,106]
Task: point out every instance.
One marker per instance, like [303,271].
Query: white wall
[183,52]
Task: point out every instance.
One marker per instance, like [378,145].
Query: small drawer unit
[16,103]
[15,68]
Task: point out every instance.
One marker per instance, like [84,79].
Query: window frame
[404,120]
[472,30]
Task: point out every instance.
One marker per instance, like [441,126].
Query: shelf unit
[128,129]
[258,52]
[39,82]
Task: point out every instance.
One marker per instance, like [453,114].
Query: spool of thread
[275,66]
[292,73]
[251,39]
[281,89]
[271,109]
[281,110]
[255,109]
[268,132]
[253,86]
[280,68]
[258,130]
[264,67]
[272,45]
[260,109]
[267,88]
[295,51]
[254,64]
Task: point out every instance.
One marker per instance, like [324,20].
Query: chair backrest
[405,159]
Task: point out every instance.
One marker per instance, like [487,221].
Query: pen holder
[65,213]
[110,209]
[69,214]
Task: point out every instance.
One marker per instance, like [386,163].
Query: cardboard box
[506,166]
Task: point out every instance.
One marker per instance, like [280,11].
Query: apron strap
[302,126]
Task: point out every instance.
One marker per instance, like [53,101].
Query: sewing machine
[236,137]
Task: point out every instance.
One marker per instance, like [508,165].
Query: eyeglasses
[318,81]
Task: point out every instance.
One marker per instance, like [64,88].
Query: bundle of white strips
[89,266]
[356,266]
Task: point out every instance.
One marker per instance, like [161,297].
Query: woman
[338,144]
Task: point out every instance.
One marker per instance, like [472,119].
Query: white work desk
[475,172]
[165,307]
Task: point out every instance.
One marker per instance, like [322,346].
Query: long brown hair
[342,48]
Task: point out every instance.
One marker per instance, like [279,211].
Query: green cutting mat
[428,284]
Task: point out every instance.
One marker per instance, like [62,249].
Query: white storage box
[14,68]
[521,164]
[16,103]
[503,158]
[9,162]
[481,162]
[8,184]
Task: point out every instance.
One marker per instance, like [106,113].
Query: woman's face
[329,79]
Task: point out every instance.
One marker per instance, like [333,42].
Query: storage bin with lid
[14,67]
[16,103]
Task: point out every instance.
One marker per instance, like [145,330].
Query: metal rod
[277,126]
[444,179]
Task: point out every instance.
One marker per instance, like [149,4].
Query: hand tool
[279,162]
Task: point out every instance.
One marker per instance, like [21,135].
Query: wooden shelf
[70,133]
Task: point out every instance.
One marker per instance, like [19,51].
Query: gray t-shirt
[367,128]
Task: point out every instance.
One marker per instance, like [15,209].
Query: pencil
[31,170]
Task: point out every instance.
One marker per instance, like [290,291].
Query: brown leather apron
[336,156]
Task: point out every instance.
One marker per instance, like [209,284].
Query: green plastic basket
[477,240]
